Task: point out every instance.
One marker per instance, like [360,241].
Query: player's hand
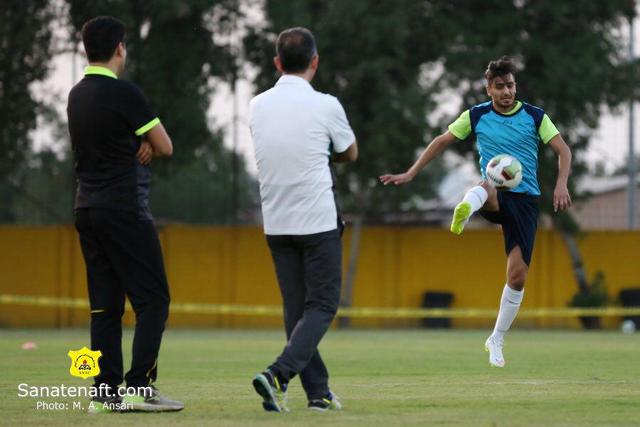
[145,153]
[561,198]
[399,179]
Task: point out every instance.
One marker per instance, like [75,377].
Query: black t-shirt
[107,117]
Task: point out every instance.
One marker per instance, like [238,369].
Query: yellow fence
[224,277]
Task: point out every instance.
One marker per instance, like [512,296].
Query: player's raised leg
[510,301]
[473,201]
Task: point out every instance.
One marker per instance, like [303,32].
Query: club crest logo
[84,363]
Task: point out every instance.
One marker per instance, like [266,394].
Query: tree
[173,56]
[382,60]
[573,63]
[25,40]
[371,58]
[375,70]
[36,203]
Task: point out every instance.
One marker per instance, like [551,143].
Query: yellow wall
[396,266]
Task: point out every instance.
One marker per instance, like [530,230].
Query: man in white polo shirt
[296,133]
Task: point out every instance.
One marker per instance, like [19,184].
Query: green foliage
[172,56]
[43,189]
[25,40]
[595,296]
[572,60]
[371,57]
[200,191]
[383,60]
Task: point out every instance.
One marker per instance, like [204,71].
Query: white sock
[477,196]
[509,305]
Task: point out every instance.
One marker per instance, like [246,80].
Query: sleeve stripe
[461,128]
[144,129]
[457,133]
[547,130]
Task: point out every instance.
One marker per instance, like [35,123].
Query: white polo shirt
[294,129]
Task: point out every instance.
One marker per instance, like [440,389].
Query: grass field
[384,378]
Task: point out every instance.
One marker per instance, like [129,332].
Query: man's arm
[561,196]
[159,140]
[160,146]
[343,141]
[437,146]
[348,155]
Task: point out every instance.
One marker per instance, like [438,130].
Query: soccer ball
[504,172]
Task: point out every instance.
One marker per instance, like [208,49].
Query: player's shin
[476,197]
[509,306]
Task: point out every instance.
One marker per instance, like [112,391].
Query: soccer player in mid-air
[503,126]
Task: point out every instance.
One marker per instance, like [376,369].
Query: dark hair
[295,47]
[498,68]
[101,36]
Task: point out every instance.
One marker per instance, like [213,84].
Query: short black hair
[101,36]
[295,47]
[498,68]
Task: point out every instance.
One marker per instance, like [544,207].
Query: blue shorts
[518,216]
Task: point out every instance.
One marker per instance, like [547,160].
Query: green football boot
[460,217]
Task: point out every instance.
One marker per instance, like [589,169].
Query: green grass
[384,378]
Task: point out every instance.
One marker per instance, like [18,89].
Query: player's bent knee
[325,306]
[517,285]
[517,279]
[331,309]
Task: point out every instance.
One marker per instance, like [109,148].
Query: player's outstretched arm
[436,147]
[561,196]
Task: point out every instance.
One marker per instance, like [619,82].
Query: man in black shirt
[114,136]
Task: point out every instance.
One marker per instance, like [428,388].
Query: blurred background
[403,70]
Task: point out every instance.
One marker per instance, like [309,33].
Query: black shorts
[518,216]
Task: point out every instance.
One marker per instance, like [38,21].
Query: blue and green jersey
[516,133]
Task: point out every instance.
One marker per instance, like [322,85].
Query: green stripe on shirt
[547,130]
[461,128]
[144,129]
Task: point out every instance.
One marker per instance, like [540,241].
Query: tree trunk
[346,297]
[579,274]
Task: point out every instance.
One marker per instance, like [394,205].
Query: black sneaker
[150,400]
[330,402]
[274,393]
